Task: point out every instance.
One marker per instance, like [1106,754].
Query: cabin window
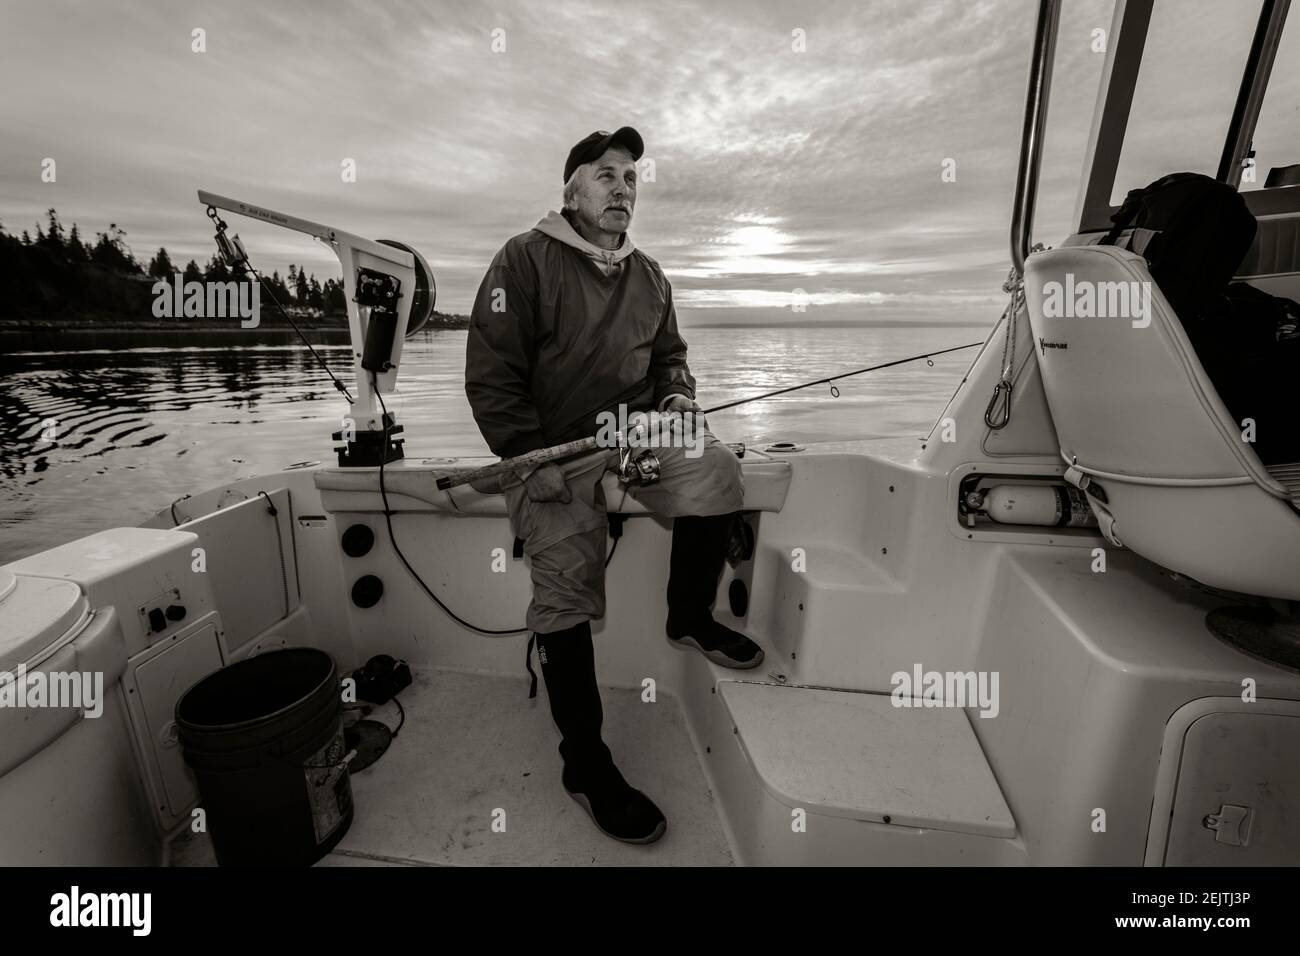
[1196,51]
[1277,133]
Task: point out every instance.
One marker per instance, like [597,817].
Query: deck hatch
[850,754]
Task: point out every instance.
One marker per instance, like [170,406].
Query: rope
[998,412]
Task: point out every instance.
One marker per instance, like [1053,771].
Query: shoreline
[30,326]
[80,337]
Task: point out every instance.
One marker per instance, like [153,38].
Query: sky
[795,146]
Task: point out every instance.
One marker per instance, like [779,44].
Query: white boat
[945,684]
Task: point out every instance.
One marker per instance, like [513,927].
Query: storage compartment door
[1238,798]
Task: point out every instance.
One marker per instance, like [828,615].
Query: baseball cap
[593,146]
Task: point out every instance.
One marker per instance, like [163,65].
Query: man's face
[606,192]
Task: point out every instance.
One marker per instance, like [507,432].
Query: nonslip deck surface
[475,744]
[858,755]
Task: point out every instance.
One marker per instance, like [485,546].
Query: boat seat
[1146,436]
[1288,476]
[411,486]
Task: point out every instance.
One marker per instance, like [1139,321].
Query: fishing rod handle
[537,457]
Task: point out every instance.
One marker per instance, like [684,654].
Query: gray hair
[571,190]
[571,187]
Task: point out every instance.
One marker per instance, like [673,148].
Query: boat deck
[473,743]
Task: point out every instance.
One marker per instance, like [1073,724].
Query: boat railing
[1031,139]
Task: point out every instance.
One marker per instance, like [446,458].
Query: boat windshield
[1197,86]
[1186,88]
[1277,134]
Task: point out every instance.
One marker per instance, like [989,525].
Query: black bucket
[264,738]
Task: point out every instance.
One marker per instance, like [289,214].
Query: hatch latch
[1231,825]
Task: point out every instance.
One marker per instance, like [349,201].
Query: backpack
[1261,320]
[1194,232]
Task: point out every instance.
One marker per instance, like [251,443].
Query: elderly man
[573,324]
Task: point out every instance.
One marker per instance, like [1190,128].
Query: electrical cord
[401,720]
[388,519]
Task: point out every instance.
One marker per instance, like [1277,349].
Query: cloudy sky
[776,168]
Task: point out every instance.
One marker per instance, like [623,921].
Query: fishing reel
[426,290]
[637,465]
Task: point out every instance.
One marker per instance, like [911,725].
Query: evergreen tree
[301,287]
[128,258]
[27,239]
[160,266]
[316,296]
[335,299]
[76,249]
[53,240]
[112,252]
[274,288]
[192,272]
[217,270]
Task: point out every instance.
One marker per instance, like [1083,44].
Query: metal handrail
[1031,139]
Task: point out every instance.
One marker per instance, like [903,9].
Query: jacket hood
[558,227]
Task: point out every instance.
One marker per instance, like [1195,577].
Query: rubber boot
[590,777]
[699,550]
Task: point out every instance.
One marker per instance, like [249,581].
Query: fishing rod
[835,392]
[568,449]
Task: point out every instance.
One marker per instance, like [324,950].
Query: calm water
[138,428]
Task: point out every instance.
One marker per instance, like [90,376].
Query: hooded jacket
[562,330]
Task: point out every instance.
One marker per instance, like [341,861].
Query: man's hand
[683,406]
[547,484]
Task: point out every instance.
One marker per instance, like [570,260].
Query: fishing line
[233,252]
[835,392]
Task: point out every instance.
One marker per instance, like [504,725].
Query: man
[570,323]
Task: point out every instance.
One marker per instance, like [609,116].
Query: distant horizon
[841,324]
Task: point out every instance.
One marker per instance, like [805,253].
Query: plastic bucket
[264,737]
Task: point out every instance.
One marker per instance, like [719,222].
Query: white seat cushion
[1145,432]
[1128,395]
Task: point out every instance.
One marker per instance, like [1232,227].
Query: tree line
[59,275]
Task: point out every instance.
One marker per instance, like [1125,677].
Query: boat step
[856,755]
[829,567]
[818,590]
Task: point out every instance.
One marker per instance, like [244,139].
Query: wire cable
[388,519]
